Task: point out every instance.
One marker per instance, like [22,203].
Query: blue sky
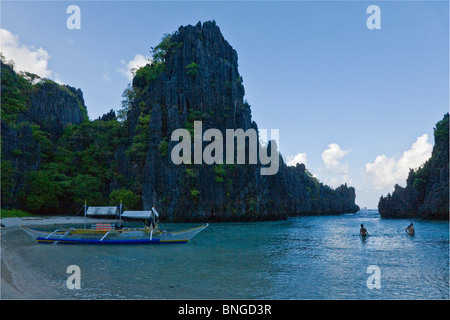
[352,103]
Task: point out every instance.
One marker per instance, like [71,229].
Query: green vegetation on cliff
[426,194]
[16,89]
[54,158]
[47,172]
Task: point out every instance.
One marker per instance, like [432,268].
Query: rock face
[28,131]
[200,81]
[53,107]
[426,194]
[54,158]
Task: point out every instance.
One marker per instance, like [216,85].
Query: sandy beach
[10,277]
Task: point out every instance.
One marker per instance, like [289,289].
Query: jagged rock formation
[426,194]
[197,78]
[52,107]
[33,118]
[193,77]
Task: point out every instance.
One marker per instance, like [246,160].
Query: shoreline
[56,220]
[9,289]
[22,279]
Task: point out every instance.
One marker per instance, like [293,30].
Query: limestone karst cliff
[426,194]
[195,78]
[34,116]
[55,158]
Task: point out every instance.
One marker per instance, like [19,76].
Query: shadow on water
[364,238]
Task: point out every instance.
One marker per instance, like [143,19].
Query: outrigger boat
[105,233]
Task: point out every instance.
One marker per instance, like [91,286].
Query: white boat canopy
[140,214]
[102,211]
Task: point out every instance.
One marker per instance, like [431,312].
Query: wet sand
[12,278]
[8,287]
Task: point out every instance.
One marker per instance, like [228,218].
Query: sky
[357,105]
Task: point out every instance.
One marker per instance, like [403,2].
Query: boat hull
[105,242]
[126,236]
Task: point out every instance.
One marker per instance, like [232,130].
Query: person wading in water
[363,231]
[410,230]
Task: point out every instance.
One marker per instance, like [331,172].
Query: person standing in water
[410,230]
[363,231]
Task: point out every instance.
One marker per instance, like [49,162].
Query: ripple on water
[302,258]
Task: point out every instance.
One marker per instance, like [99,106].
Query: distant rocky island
[54,158]
[426,195]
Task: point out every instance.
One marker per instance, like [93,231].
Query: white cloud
[298,158]
[335,173]
[138,61]
[332,155]
[385,172]
[31,59]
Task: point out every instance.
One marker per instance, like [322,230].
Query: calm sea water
[302,258]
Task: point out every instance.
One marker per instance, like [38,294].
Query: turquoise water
[319,257]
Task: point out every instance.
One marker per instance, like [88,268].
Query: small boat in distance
[105,233]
